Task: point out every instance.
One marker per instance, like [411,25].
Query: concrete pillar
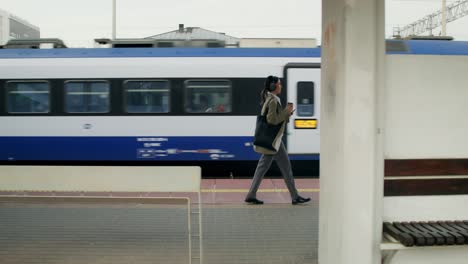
[351,154]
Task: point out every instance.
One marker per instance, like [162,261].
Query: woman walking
[271,106]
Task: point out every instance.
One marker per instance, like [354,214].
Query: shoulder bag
[265,133]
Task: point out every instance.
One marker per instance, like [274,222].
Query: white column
[351,169]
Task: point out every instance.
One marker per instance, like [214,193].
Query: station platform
[217,191]
[233,232]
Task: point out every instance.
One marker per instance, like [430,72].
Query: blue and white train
[161,106]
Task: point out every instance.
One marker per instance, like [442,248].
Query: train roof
[419,47]
[427,47]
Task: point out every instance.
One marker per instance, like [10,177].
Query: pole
[444,18]
[114,18]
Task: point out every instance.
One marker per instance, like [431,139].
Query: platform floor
[234,232]
[217,191]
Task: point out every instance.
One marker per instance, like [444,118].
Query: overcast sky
[78,23]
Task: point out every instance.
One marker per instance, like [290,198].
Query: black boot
[300,200]
[253,201]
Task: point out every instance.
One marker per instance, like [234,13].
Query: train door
[303,89]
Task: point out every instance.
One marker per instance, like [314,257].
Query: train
[163,106]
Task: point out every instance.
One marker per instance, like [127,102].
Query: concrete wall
[426,107]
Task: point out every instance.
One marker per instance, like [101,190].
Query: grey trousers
[282,159]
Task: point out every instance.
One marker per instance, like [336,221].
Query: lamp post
[114,18]
[444,18]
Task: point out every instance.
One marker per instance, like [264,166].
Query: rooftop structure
[196,37]
[193,37]
[39,43]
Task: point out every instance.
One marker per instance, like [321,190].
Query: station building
[13,27]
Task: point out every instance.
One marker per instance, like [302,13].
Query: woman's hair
[270,86]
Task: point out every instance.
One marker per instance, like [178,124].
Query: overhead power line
[432,21]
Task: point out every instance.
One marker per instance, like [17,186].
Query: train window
[87,96]
[208,96]
[305,98]
[28,97]
[147,96]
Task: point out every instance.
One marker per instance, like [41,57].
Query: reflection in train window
[208,96]
[147,96]
[28,97]
[305,98]
[87,96]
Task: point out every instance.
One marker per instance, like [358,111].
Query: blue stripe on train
[130,148]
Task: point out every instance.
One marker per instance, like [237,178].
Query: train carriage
[165,106]
[153,106]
